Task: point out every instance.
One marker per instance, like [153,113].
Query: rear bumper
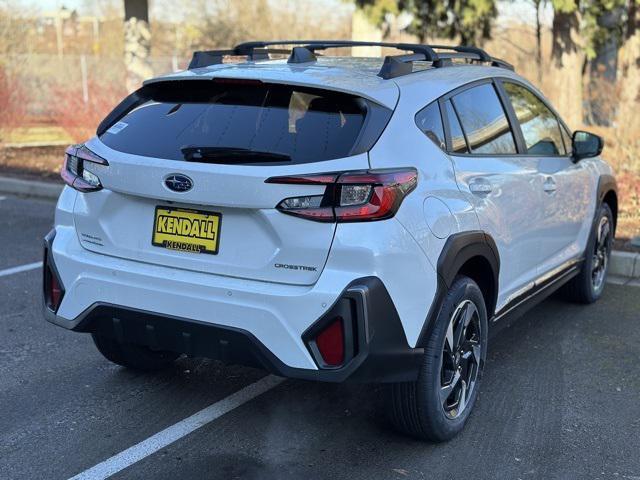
[380,351]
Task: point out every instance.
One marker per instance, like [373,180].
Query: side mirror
[586,145]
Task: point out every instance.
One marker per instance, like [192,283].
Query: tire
[416,408]
[586,287]
[135,357]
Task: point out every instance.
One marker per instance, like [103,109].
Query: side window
[484,121]
[540,127]
[458,142]
[430,122]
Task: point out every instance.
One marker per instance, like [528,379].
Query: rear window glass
[239,122]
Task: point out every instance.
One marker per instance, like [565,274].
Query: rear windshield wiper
[231,155]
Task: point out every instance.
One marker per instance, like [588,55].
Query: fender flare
[461,247]
[607,183]
[458,249]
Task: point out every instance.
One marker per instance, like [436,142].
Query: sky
[81,5]
[521,10]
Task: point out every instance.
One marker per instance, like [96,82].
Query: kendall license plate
[187,230]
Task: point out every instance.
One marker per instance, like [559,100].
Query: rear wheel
[438,404]
[588,285]
[135,357]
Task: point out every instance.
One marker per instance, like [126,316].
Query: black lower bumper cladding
[377,351]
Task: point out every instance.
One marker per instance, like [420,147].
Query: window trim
[510,114]
[448,137]
[561,124]
[565,133]
[449,95]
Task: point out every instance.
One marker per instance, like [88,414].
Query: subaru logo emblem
[178,183]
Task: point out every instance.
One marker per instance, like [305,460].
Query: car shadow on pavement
[522,426]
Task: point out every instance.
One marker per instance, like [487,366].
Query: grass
[40,134]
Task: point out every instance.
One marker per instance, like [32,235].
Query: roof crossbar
[303,51]
[205,58]
[398,65]
[301,55]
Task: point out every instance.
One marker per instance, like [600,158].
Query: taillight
[76,170]
[330,343]
[350,196]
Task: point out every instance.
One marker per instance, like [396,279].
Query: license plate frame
[187,243]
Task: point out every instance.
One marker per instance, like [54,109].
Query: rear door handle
[550,185]
[480,186]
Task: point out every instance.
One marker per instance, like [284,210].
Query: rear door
[504,188]
[185,185]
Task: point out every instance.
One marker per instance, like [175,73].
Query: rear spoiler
[125,106]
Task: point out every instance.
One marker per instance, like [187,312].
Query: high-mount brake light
[358,196]
[75,172]
[237,81]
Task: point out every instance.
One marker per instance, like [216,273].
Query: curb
[623,264]
[30,188]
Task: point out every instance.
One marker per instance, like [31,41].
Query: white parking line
[175,432]
[21,268]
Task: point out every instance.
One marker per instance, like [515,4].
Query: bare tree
[538,5]
[629,72]
[567,60]
[137,42]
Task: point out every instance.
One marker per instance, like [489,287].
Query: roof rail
[313,45]
[303,51]
[469,53]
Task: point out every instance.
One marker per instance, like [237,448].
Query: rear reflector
[53,291]
[330,343]
[350,196]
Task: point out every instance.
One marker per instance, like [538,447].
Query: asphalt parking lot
[560,400]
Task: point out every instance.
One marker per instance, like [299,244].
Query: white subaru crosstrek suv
[329,218]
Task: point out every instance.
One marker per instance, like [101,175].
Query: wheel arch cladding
[479,269]
[608,193]
[473,254]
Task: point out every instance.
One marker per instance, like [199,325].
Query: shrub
[68,109]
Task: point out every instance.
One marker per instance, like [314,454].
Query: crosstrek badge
[186,230]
